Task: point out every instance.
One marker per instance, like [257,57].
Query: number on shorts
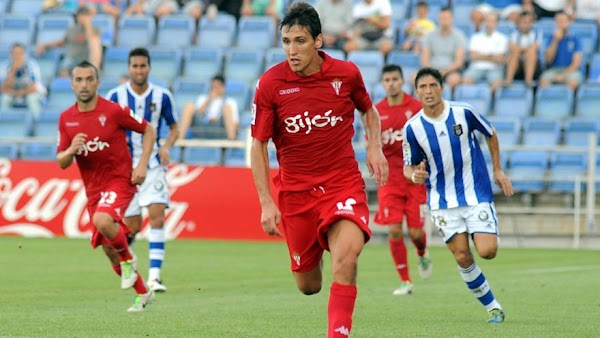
[108,197]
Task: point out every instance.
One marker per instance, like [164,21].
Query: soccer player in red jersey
[400,198]
[306,105]
[93,131]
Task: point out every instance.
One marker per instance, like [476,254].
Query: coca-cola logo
[29,204]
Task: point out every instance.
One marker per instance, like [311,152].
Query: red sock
[421,245]
[117,269]
[399,254]
[140,286]
[119,242]
[340,309]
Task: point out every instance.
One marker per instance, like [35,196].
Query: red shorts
[393,206]
[113,200]
[307,215]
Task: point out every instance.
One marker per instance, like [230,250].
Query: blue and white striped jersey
[156,105]
[458,174]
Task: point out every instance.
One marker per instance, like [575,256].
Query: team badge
[336,84]
[457,129]
[102,119]
[153,107]
[158,186]
[483,215]
[296,258]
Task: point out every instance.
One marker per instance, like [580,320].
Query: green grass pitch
[61,288]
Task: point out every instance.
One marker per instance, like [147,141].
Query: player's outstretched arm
[139,172]
[376,161]
[270,214]
[499,177]
[65,157]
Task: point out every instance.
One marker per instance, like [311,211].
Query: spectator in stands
[488,52]
[523,45]
[81,41]
[273,8]
[444,49]
[563,55]
[216,110]
[336,21]
[506,9]
[418,28]
[548,8]
[372,26]
[233,7]
[160,8]
[110,7]
[21,81]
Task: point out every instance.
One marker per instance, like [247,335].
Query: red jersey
[393,119]
[310,121]
[105,158]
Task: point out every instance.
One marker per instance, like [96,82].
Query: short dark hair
[302,14]
[446,9]
[392,68]
[219,78]
[431,72]
[422,4]
[87,64]
[139,51]
[17,44]
[526,14]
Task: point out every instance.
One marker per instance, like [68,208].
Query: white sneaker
[156,286]
[128,274]
[140,301]
[406,288]
[425,266]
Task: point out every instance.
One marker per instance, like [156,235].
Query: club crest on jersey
[337,85]
[153,107]
[457,129]
[102,119]
[296,258]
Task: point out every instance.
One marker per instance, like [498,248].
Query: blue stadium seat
[136,31]
[588,101]
[107,84]
[243,65]
[175,154]
[273,162]
[478,95]
[38,151]
[527,168]
[202,63]
[256,32]
[508,130]
[335,53]
[4,6]
[239,91]
[594,76]
[9,150]
[27,7]
[106,24]
[235,157]
[564,166]
[15,124]
[541,131]
[202,155]
[47,125]
[61,95]
[52,27]
[16,28]
[273,56]
[115,61]
[48,63]
[410,62]
[4,53]
[587,33]
[513,101]
[462,11]
[175,31]
[554,101]
[187,90]
[506,27]
[399,9]
[378,92]
[577,130]
[166,63]
[219,32]
[369,62]
[398,29]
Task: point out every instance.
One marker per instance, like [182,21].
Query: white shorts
[154,190]
[481,218]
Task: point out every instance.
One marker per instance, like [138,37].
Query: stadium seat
[166,63]
[61,95]
[235,157]
[9,150]
[38,151]
[554,101]
[541,131]
[27,7]
[15,124]
[370,63]
[527,169]
[335,53]
[107,84]
[478,95]
[48,63]
[218,32]
[594,76]
[410,63]
[16,28]
[273,56]
[508,130]
[115,61]
[398,25]
[3,6]
[239,91]
[513,101]
[47,125]
[176,31]
[577,131]
[399,9]
[4,53]
[136,31]
[202,155]
[106,24]
[256,32]
[564,166]
[243,65]
[506,27]
[588,101]
[462,11]
[52,27]
[273,162]
[175,154]
[188,90]
[202,63]
[587,33]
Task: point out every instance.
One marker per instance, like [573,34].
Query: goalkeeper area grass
[62,288]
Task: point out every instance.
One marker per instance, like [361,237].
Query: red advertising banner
[40,199]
